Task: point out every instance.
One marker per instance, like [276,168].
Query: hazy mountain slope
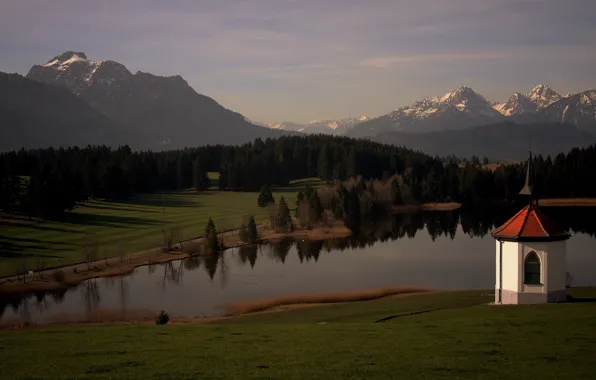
[37,115]
[165,111]
[329,127]
[499,141]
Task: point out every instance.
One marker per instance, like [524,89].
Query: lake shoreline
[113,318]
[74,274]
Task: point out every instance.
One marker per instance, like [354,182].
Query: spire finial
[528,187]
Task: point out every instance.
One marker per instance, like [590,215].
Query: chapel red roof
[530,224]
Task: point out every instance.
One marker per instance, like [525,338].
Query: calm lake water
[441,250]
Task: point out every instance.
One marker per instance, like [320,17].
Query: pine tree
[265,197]
[283,219]
[200,177]
[352,214]
[210,239]
[396,198]
[352,169]
[393,164]
[210,226]
[299,200]
[324,164]
[253,235]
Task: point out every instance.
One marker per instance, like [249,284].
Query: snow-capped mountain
[330,127]
[538,98]
[578,109]
[74,71]
[543,96]
[457,109]
[517,104]
[158,108]
[286,126]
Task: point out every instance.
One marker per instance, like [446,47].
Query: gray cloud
[313,59]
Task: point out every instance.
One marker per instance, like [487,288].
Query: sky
[301,60]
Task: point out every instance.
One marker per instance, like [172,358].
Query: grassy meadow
[124,226]
[429,336]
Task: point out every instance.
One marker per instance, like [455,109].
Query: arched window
[532,269]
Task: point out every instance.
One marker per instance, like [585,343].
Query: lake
[440,250]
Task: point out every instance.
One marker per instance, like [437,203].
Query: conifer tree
[200,177]
[253,235]
[283,219]
[265,197]
[210,239]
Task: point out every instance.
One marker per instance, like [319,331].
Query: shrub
[162,318]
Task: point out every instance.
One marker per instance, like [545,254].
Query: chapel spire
[529,185]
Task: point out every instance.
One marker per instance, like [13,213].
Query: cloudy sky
[298,60]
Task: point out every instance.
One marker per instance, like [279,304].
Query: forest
[48,182]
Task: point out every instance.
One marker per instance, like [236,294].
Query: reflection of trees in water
[574,219]
[41,303]
[211,264]
[476,221]
[58,295]
[308,250]
[223,271]
[280,250]
[192,263]
[248,253]
[91,295]
[173,272]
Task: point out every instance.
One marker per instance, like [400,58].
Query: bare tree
[39,265]
[90,250]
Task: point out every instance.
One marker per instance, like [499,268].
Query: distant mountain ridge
[458,109]
[501,141]
[464,108]
[165,112]
[331,127]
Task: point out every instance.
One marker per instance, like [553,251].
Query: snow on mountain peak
[543,96]
[463,99]
[336,127]
[76,72]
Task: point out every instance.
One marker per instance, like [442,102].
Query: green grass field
[123,226]
[433,336]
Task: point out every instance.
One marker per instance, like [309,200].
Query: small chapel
[531,255]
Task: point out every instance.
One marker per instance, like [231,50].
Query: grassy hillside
[123,226]
[434,336]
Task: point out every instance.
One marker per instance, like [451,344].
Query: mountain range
[331,127]
[503,141]
[163,112]
[464,108]
[72,100]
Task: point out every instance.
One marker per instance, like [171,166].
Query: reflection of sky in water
[463,263]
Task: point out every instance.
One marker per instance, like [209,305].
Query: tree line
[47,182]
